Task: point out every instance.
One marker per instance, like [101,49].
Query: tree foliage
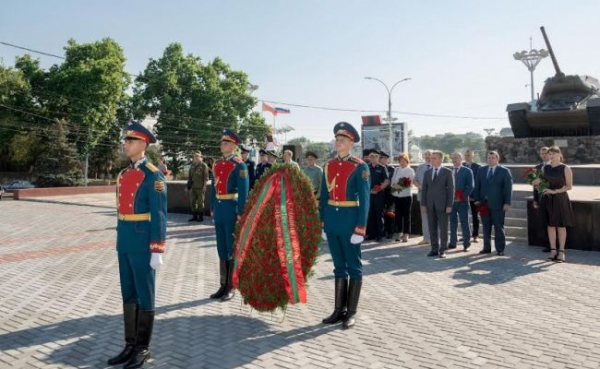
[193,102]
[449,142]
[58,164]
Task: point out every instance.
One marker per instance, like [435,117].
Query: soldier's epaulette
[237,160]
[151,166]
[356,159]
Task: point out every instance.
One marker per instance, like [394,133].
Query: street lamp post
[531,59]
[389,113]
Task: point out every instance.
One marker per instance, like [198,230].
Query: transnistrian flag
[371,120]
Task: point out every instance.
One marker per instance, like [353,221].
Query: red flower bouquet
[404,183]
[483,208]
[459,196]
[535,177]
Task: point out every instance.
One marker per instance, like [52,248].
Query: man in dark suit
[474,208]
[388,207]
[437,197]
[463,182]
[379,181]
[493,193]
[536,196]
[263,165]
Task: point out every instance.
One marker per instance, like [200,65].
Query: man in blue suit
[493,193]
[474,208]
[463,187]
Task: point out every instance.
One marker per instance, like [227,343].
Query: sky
[458,54]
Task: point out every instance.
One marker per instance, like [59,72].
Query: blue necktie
[455,171]
[435,174]
[490,173]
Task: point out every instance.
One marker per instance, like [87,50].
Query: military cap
[272,153]
[244,148]
[383,154]
[229,135]
[366,152]
[136,131]
[311,153]
[346,129]
[262,152]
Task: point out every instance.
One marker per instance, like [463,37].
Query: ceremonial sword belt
[227,196]
[134,217]
[343,204]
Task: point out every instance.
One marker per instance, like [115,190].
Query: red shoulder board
[357,160]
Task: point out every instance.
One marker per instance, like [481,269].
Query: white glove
[156,261]
[356,239]
[324,235]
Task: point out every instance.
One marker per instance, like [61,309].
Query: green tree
[319,148]
[193,102]
[57,164]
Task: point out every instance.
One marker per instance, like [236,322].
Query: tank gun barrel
[559,73]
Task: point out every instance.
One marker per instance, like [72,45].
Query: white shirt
[400,172]
[433,172]
[492,169]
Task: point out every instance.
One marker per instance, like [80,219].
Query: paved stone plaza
[60,305]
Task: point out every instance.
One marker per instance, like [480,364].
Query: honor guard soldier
[263,165]
[379,181]
[344,206]
[141,231]
[250,164]
[197,179]
[228,197]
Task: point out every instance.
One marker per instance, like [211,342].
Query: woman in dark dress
[555,203]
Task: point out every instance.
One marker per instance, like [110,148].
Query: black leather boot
[130,323]
[341,293]
[353,296]
[223,276]
[229,291]
[201,216]
[142,344]
[193,218]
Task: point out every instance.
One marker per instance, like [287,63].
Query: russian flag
[281,110]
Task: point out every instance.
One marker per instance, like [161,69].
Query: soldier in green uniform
[228,197]
[344,206]
[141,233]
[197,178]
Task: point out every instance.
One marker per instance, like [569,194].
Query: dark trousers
[475,218]
[438,228]
[403,205]
[137,279]
[375,222]
[346,256]
[495,218]
[225,237]
[460,211]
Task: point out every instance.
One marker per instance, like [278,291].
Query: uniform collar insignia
[138,163]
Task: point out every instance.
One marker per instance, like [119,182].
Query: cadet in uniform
[379,181]
[197,178]
[141,232]
[272,156]
[263,165]
[344,206]
[250,164]
[228,197]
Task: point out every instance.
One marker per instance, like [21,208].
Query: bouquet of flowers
[459,196]
[483,209]
[535,177]
[404,183]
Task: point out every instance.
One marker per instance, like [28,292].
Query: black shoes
[141,352]
[500,253]
[442,255]
[223,280]
[228,292]
[431,253]
[466,248]
[130,323]
[485,251]
[354,288]
[451,246]
[341,295]
[378,239]
[194,218]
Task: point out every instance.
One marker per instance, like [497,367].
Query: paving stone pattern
[60,305]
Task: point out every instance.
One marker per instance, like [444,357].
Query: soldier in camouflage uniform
[197,178]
